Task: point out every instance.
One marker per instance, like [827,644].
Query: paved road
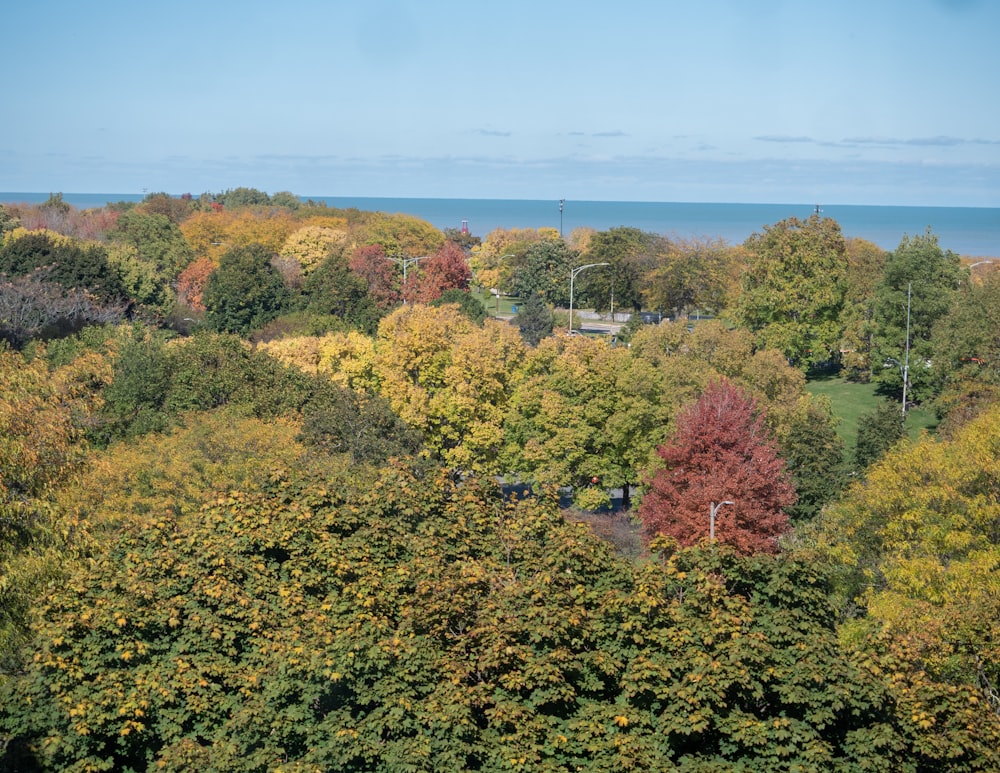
[584,325]
[593,326]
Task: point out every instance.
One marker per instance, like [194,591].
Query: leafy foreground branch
[407,623]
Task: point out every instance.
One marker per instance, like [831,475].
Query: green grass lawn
[850,401]
[489,302]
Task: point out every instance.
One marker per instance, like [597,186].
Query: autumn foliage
[720,452]
[191,283]
[285,549]
[371,264]
[447,269]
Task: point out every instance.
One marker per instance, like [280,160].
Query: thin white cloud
[940,141]
[782,138]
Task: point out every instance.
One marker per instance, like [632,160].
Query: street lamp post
[406,263]
[572,278]
[562,203]
[714,508]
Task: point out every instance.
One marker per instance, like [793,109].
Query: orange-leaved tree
[721,452]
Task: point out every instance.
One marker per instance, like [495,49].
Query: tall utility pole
[572,277]
[562,203]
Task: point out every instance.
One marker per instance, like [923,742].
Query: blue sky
[868,102]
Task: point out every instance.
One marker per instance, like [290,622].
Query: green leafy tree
[8,220]
[242,197]
[693,274]
[865,267]
[55,203]
[916,546]
[395,620]
[468,411]
[43,414]
[157,239]
[141,381]
[544,269]
[450,379]
[154,383]
[339,420]
[793,288]
[286,199]
[400,236]
[967,351]
[688,360]
[245,291]
[630,254]
[583,411]
[467,303]
[72,265]
[916,290]
[143,282]
[462,237]
[334,289]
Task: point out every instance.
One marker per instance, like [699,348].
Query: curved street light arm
[572,277]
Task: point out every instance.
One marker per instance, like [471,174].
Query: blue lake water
[973,231]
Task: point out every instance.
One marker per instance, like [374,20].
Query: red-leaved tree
[720,452]
[446,269]
[371,264]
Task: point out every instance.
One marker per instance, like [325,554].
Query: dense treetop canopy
[301,511]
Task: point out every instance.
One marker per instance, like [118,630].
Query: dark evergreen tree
[334,289]
[534,319]
[71,265]
[814,453]
[878,431]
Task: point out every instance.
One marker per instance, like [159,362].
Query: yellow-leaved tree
[412,352]
[350,359]
[213,233]
[173,474]
[917,544]
[311,245]
[468,411]
[43,415]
